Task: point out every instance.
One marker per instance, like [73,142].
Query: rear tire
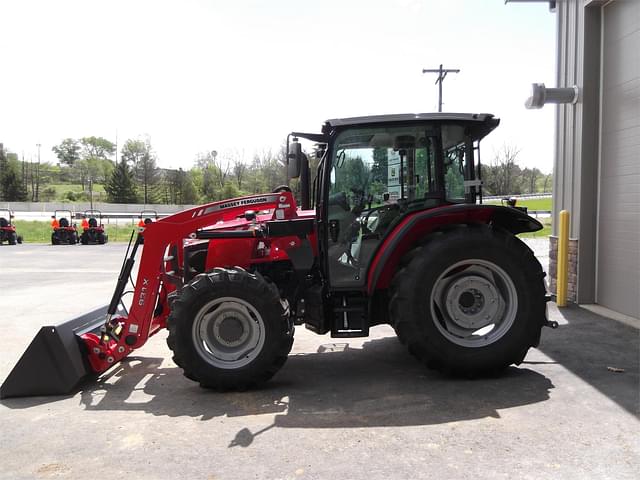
[13,238]
[470,301]
[229,330]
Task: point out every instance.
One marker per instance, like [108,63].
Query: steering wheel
[282,188]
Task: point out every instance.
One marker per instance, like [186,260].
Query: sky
[237,76]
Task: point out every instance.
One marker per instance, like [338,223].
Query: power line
[442,73]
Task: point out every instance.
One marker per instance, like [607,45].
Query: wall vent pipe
[541,95]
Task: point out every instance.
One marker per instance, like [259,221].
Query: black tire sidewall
[275,331]
[437,258]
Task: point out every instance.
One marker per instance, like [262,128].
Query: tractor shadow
[378,385]
[336,387]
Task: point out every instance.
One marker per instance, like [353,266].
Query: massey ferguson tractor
[7,228]
[93,233]
[64,232]
[391,230]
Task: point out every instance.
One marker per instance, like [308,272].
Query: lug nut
[120,349]
[96,350]
[110,359]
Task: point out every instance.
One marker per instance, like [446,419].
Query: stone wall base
[572,287]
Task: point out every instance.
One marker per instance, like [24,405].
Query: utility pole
[38,175]
[442,73]
[91,193]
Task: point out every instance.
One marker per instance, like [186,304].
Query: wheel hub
[228,332]
[472,302]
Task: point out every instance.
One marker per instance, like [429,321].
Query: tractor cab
[93,232]
[376,171]
[385,186]
[7,229]
[63,231]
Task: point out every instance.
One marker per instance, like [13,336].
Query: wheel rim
[474,303]
[228,333]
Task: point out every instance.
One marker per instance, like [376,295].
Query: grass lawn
[61,190]
[34,231]
[66,187]
[531,204]
[545,232]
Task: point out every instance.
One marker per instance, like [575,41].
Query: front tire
[469,301]
[229,330]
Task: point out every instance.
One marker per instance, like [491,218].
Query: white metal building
[597,150]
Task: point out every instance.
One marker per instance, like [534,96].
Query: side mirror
[294,160]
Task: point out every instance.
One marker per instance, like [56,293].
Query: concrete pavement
[356,409]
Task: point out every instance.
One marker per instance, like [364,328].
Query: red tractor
[7,228]
[146,217]
[93,232]
[63,232]
[390,231]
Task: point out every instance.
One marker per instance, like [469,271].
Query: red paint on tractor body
[167,237]
[410,231]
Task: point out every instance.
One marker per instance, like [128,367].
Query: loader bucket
[55,362]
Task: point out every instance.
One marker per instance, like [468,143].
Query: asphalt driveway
[357,409]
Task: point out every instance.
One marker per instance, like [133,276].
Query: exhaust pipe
[55,363]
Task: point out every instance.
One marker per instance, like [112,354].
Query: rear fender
[416,226]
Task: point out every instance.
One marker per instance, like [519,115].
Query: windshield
[392,164]
[379,173]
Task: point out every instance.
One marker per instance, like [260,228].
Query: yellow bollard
[563,259]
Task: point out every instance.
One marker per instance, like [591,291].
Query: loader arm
[62,356]
[121,334]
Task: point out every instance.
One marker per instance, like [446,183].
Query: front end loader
[390,230]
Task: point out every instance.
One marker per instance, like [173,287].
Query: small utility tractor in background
[146,217]
[7,228]
[93,233]
[63,231]
[390,230]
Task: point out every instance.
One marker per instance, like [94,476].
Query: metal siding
[590,126]
[618,284]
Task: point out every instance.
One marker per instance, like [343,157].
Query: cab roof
[412,117]
[480,123]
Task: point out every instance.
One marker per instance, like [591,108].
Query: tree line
[134,177]
[503,176]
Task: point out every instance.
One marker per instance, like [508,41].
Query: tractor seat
[339,199]
[63,222]
[3,222]
[93,223]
